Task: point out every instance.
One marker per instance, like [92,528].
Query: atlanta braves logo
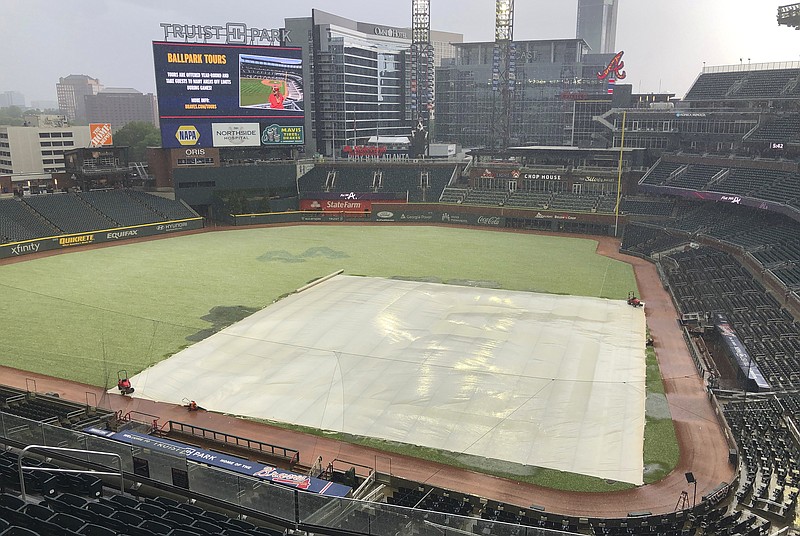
[615,66]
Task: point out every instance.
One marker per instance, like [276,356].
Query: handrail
[277,451]
[54,470]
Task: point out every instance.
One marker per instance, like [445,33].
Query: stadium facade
[556,94]
[358,76]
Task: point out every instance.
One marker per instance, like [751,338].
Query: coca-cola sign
[489,220]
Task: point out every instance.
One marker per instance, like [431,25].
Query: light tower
[422,63]
[504,71]
[789,16]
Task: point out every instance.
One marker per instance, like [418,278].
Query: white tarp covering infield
[535,379]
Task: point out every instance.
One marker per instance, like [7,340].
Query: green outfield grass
[86,314]
[252,91]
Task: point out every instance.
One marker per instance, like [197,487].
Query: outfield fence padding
[65,241]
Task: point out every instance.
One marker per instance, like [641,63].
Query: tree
[11,116]
[138,135]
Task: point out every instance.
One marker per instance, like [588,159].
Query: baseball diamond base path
[703,448]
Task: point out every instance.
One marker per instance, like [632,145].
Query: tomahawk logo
[614,68]
[351,195]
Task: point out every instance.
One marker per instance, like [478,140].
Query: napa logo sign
[187,135]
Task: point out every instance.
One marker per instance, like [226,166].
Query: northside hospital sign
[232,33]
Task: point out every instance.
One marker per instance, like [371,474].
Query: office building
[12,98]
[120,106]
[29,150]
[597,24]
[71,91]
[358,75]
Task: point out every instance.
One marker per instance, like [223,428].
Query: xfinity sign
[232,33]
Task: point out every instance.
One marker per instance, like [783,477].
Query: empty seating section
[784,129]
[422,184]
[734,178]
[419,183]
[766,84]
[453,195]
[705,280]
[77,510]
[782,191]
[607,204]
[43,408]
[645,240]
[41,216]
[747,181]
[523,199]
[69,213]
[313,180]
[486,197]
[169,209]
[713,86]
[19,222]
[694,177]
[768,451]
[660,172]
[574,202]
[646,206]
[117,205]
[789,276]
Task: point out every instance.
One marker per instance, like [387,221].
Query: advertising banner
[17,249]
[202,84]
[231,463]
[100,134]
[235,134]
[737,349]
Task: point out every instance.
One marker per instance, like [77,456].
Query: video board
[212,95]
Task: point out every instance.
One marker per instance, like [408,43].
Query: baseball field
[86,315]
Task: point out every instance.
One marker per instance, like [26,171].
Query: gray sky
[665,41]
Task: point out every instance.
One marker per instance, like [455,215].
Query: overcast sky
[666,42]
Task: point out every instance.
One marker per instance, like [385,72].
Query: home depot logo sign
[100,134]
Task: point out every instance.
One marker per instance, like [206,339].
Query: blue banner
[746,364]
[231,463]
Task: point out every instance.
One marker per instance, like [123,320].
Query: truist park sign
[232,33]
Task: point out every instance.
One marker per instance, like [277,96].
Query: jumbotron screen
[229,95]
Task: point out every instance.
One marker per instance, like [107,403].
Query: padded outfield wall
[437,213]
[66,241]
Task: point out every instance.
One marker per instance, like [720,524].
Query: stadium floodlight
[789,16]
[504,20]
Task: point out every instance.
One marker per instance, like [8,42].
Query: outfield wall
[51,243]
[437,213]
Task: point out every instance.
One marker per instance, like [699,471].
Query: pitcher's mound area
[535,379]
